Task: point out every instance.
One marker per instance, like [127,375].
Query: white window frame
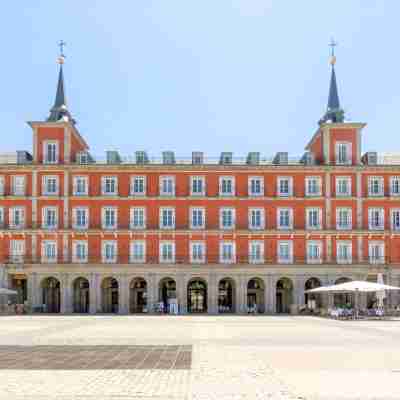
[347,179]
[104,179]
[290,186]
[202,244]
[45,152]
[278,218]
[310,258]
[191,219]
[2,217]
[381,257]
[104,243]
[144,183]
[75,218]
[251,256]
[222,260]
[133,258]
[44,257]
[161,258]
[103,217]
[16,187]
[203,184]
[233,186]
[250,192]
[75,185]
[132,217]
[393,226]
[340,227]
[262,218]
[45,210]
[308,179]
[381,211]
[2,185]
[288,260]
[312,209]
[12,223]
[75,258]
[339,259]
[380,186]
[349,154]
[163,178]
[392,180]
[45,183]
[17,258]
[161,220]
[221,219]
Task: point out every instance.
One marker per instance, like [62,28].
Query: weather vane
[332,45]
[61,57]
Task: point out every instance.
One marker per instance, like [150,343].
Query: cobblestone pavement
[227,357]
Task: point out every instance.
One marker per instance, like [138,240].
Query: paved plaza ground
[197,357]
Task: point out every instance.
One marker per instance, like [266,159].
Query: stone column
[93,299]
[33,291]
[270,294]
[298,295]
[152,296]
[212,294]
[123,295]
[241,307]
[99,298]
[181,292]
[66,298]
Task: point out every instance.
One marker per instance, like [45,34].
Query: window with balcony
[197,186]
[137,251]
[285,186]
[17,217]
[197,218]
[18,185]
[256,218]
[109,251]
[80,251]
[395,185]
[343,218]
[167,252]
[227,218]
[167,186]
[50,152]
[109,218]
[256,186]
[285,252]
[313,186]
[80,217]
[256,251]
[376,252]
[49,251]
[2,185]
[395,219]
[138,218]
[167,218]
[343,153]
[227,252]
[375,186]
[343,186]
[376,218]
[109,186]
[313,218]
[284,218]
[197,252]
[226,186]
[49,217]
[2,218]
[17,250]
[80,185]
[344,252]
[314,252]
[138,185]
[50,185]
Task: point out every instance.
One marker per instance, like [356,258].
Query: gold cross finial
[332,45]
[61,57]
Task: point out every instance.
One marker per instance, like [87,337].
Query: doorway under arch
[284,295]
[342,299]
[51,294]
[312,300]
[167,294]
[81,295]
[109,298]
[256,295]
[226,296]
[197,296]
[138,296]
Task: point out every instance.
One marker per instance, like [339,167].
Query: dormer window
[50,152]
[343,153]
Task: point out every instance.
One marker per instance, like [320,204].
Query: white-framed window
[50,152]
[137,251]
[197,252]
[284,186]
[109,251]
[2,185]
[375,186]
[109,217]
[17,217]
[285,251]
[167,218]
[49,251]
[138,218]
[395,185]
[256,251]
[227,218]
[395,219]
[343,218]
[376,251]
[343,153]
[80,251]
[18,185]
[226,185]
[80,217]
[344,252]
[2,217]
[256,186]
[17,250]
[376,218]
[80,185]
[167,252]
[50,186]
[227,252]
[49,217]
[109,185]
[197,186]
[313,218]
[343,186]
[284,218]
[313,186]
[256,218]
[167,185]
[197,217]
[138,185]
[314,252]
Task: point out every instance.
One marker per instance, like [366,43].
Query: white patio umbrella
[7,291]
[353,286]
[381,295]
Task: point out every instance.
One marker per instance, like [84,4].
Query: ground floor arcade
[213,290]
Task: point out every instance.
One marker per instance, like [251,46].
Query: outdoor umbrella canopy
[354,286]
[7,291]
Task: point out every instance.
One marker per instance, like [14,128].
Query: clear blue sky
[209,75]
